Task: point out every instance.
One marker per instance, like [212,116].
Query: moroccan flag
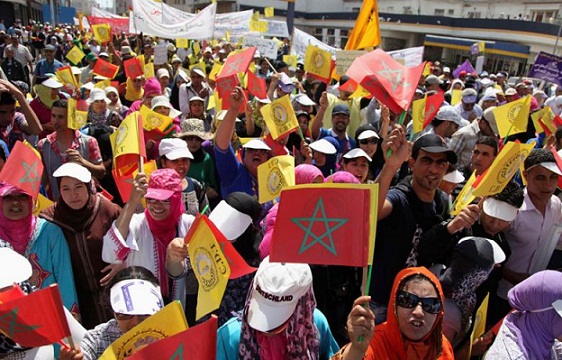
[466,196]
[256,86]
[125,182]
[11,293]
[149,70]
[238,63]
[198,342]
[274,175]
[75,55]
[327,224]
[36,319]
[105,68]
[165,323]
[65,76]
[373,86]
[209,265]
[503,168]
[128,144]
[23,169]
[318,62]
[456,96]
[227,84]
[76,118]
[102,32]
[152,120]
[279,117]
[366,31]
[133,68]
[512,118]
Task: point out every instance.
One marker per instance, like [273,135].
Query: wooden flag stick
[400,122]
[271,66]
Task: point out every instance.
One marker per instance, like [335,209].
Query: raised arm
[226,128]
[317,123]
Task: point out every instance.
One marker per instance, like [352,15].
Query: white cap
[74,170]
[303,99]
[76,70]
[367,134]
[264,100]
[97,94]
[53,83]
[100,77]
[196,98]
[14,268]
[499,255]
[88,86]
[103,53]
[323,146]
[357,153]
[276,291]
[111,89]
[256,144]
[499,209]
[510,92]
[162,100]
[162,73]
[449,113]
[198,71]
[136,297]
[174,149]
[231,222]
[549,165]
[454,177]
[446,69]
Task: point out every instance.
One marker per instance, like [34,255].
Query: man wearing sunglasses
[412,210]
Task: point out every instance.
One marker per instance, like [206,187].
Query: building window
[439,12]
[344,32]
[451,12]
[331,32]
[474,14]
[407,10]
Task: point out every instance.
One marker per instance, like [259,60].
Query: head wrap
[16,232]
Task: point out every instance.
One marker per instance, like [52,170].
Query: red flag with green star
[257,86]
[23,169]
[198,342]
[36,319]
[226,85]
[238,63]
[326,224]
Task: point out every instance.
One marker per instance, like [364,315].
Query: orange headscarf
[388,342]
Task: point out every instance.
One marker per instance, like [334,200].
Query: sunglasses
[368,141]
[408,300]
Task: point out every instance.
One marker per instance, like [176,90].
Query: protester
[340,122]
[324,155]
[356,162]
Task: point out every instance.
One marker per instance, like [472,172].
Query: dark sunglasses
[409,301]
[368,141]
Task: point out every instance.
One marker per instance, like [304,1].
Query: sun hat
[173,149]
[14,268]
[74,170]
[136,297]
[323,146]
[367,134]
[163,184]
[194,127]
[97,94]
[256,144]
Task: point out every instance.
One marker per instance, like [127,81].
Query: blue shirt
[43,67]
[233,175]
[345,144]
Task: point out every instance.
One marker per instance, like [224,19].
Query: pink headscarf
[306,174]
[16,232]
[152,87]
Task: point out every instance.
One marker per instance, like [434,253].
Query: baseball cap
[510,92]
[304,100]
[162,73]
[433,144]
[198,71]
[49,47]
[231,222]
[73,170]
[357,153]
[300,112]
[498,254]
[449,113]
[323,146]
[14,268]
[196,98]
[432,80]
[276,290]
[163,184]
[446,69]
[91,56]
[174,149]
[136,297]
[256,144]
[499,209]
[340,109]
[285,83]
[469,96]
[103,53]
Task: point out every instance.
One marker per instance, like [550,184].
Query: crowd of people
[431,270]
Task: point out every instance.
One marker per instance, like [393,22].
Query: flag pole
[400,122]
[271,66]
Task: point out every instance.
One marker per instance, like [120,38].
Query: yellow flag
[209,265]
[66,77]
[102,32]
[503,168]
[127,144]
[201,65]
[227,36]
[318,62]
[165,323]
[480,321]
[269,11]
[196,47]
[103,84]
[291,60]
[259,26]
[252,67]
[466,196]
[182,43]
[75,55]
[76,119]
[546,115]
[141,59]
[456,96]
[426,69]
[512,118]
[366,30]
[41,204]
[152,120]
[215,102]
[279,116]
[256,16]
[418,114]
[275,175]
[149,70]
[360,92]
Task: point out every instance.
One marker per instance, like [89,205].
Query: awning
[491,47]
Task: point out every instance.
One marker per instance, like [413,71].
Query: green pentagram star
[392,75]
[305,245]
[31,175]
[10,326]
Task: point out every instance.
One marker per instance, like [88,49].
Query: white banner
[276,28]
[147,17]
[410,56]
[344,59]
[301,40]
[237,23]
[160,54]
[104,14]
[267,48]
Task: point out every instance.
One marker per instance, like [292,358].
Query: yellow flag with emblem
[152,120]
[279,117]
[545,115]
[102,32]
[291,60]
[215,71]
[75,55]
[76,119]
[149,70]
[466,196]
[103,84]
[209,265]
[269,11]
[318,62]
[512,118]
[275,175]
[503,168]
[418,114]
[165,323]
[66,77]
[182,43]
[456,96]
[479,321]
[128,144]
